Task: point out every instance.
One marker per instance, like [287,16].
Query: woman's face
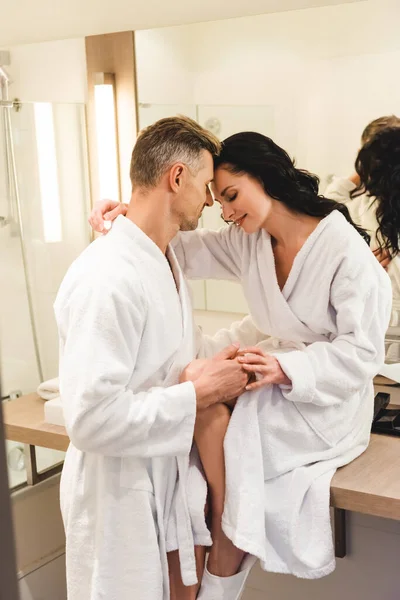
[242,198]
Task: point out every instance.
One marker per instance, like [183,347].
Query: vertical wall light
[48,171]
[106,136]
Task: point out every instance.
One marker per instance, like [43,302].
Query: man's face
[195,194]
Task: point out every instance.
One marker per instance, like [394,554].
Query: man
[126,335]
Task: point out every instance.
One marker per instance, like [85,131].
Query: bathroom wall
[49,71]
[325,72]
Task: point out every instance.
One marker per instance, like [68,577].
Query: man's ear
[176,175]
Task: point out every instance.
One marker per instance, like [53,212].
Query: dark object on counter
[386,420]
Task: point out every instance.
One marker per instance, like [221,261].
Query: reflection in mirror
[295,76]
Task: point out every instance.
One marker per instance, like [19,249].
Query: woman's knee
[214,417]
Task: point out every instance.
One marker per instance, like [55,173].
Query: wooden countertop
[370,484]
[24,422]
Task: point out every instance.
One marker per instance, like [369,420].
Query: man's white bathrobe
[284,443]
[126,333]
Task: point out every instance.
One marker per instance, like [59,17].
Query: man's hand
[355,178]
[383,257]
[218,379]
[105,211]
[254,360]
[194,370]
[197,366]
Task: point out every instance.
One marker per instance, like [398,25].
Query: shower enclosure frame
[13,193]
[8,566]
[6,105]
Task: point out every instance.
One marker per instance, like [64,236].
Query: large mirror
[310,79]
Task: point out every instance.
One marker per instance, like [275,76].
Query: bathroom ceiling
[26,21]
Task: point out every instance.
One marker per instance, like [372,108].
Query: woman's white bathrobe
[284,443]
[126,333]
[363,212]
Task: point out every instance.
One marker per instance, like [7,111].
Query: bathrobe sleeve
[339,189]
[101,331]
[206,254]
[361,208]
[327,373]
[244,332]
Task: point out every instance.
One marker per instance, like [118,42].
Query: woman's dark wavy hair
[378,165]
[256,155]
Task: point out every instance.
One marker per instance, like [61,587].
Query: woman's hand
[254,360]
[106,210]
[383,257]
[355,178]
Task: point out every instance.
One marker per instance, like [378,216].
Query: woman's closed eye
[232,197]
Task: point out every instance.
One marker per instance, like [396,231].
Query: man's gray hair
[166,142]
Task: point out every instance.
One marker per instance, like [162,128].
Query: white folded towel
[49,389]
[391,371]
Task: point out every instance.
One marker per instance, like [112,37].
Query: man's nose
[209,199]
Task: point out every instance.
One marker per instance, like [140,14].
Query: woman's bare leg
[210,429]
[178,591]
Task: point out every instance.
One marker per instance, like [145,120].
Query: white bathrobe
[363,212]
[126,333]
[284,442]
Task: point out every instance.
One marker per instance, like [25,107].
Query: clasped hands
[260,368]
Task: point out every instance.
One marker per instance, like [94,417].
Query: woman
[320,305]
[363,204]
[378,168]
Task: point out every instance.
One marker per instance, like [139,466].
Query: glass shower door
[42,231]
[19,367]
[18,359]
